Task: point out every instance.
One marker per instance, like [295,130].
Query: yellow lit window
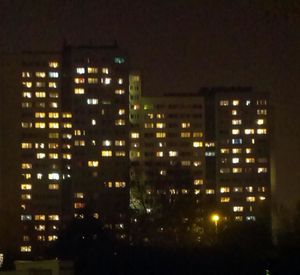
[54,125]
[225,199]
[260,121]
[120,153]
[135,135]
[79,143]
[224,102]
[26,74]
[261,131]
[40,74]
[67,156]
[52,85]
[53,217]
[148,125]
[235,131]
[185,163]
[80,70]
[160,134]
[120,184]
[26,166]
[235,102]
[173,153]
[27,84]
[209,191]
[26,94]
[235,160]
[121,112]
[224,170]
[79,80]
[250,160]
[92,101]
[40,155]
[27,176]
[26,145]
[53,186]
[52,238]
[26,186]
[53,115]
[93,163]
[53,94]
[53,135]
[92,80]
[236,121]
[120,81]
[248,150]
[106,153]
[25,248]
[92,70]
[249,131]
[40,94]
[224,151]
[66,115]
[237,170]
[185,125]
[120,92]
[120,122]
[160,154]
[26,197]
[262,170]
[197,134]
[198,181]
[79,91]
[197,144]
[261,111]
[238,208]
[160,125]
[185,134]
[250,199]
[26,124]
[120,143]
[236,150]
[224,190]
[105,70]
[234,112]
[53,156]
[106,142]
[40,115]
[67,125]
[39,217]
[53,64]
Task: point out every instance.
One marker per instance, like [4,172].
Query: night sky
[182,45]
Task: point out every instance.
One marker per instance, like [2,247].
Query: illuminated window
[260,121]
[120,143]
[40,94]
[53,74]
[106,153]
[237,141]
[234,112]
[40,84]
[160,154]
[53,64]
[224,151]
[135,135]
[197,163]
[53,94]
[198,181]
[26,124]
[92,101]
[53,217]
[79,143]
[92,80]
[119,122]
[105,70]
[67,125]
[261,102]
[54,125]
[80,70]
[197,144]
[25,248]
[53,186]
[185,134]
[185,125]
[261,111]
[197,134]
[160,134]
[93,163]
[26,74]
[53,176]
[250,160]
[235,102]
[224,190]
[119,60]
[106,80]
[248,150]
[173,153]
[261,131]
[92,70]
[27,84]
[209,191]
[39,176]
[40,74]
[121,112]
[120,81]
[224,102]
[53,135]
[79,80]
[79,91]
[26,166]
[120,92]
[235,131]
[25,197]
[120,154]
[40,155]
[224,170]
[39,217]
[53,156]
[67,156]
[262,170]
[249,131]
[53,104]
[225,199]
[26,94]
[26,104]
[236,122]
[237,170]
[26,186]
[248,102]
[250,199]
[235,160]
[40,115]
[236,150]
[238,208]
[160,125]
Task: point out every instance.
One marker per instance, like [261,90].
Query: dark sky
[181,45]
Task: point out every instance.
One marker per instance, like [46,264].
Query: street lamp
[215,218]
